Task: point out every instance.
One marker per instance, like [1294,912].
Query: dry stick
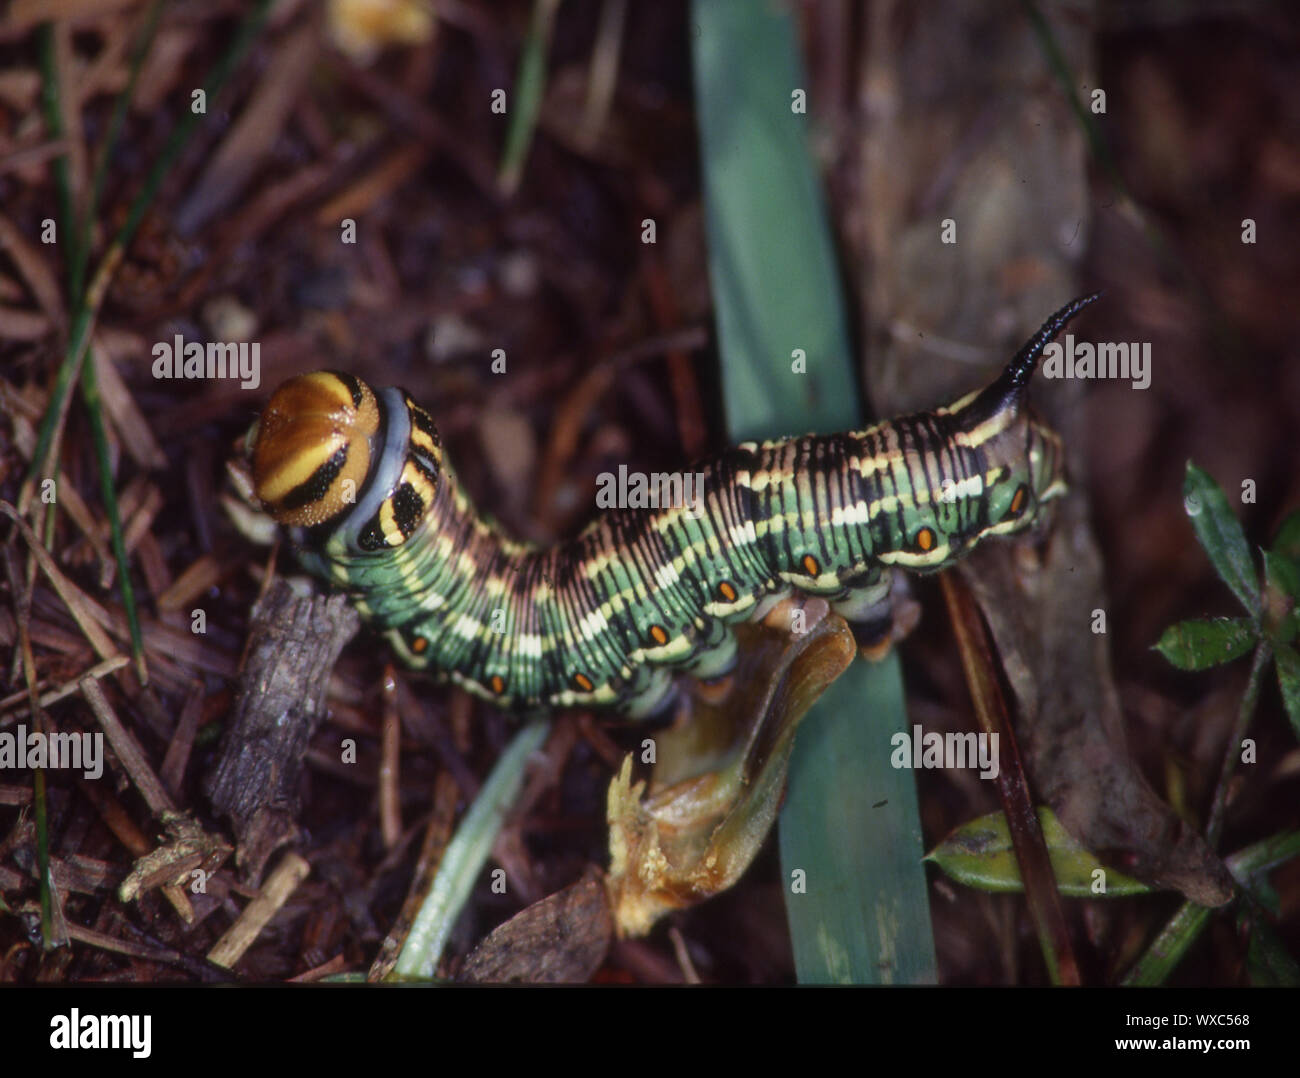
[137,767]
[79,513]
[135,841]
[116,818]
[602,75]
[198,577]
[337,964]
[442,821]
[290,872]
[1026,834]
[85,612]
[70,686]
[94,409]
[111,943]
[33,155]
[128,750]
[163,956]
[683,956]
[178,752]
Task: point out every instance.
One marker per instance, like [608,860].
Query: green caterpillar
[606,618]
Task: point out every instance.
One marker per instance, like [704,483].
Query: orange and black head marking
[313,446]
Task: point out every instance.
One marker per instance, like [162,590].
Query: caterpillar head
[312,447]
[332,454]
[1031,463]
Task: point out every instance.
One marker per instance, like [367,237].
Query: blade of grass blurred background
[850,823]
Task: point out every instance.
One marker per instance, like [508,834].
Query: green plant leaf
[1201,643]
[1263,856]
[851,823]
[1221,535]
[1283,573]
[1288,680]
[980,854]
[1287,540]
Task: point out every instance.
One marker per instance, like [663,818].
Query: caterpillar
[605,619]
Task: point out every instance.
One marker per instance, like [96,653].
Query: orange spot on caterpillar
[420,645]
[810,565]
[583,682]
[727,591]
[1018,500]
[497,684]
[658,634]
[925,539]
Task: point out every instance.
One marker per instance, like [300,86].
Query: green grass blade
[1183,929]
[465,856]
[138,54]
[50,103]
[850,823]
[95,409]
[530,87]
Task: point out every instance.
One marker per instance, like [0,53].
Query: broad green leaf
[1288,680]
[1221,535]
[980,854]
[851,823]
[1200,644]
